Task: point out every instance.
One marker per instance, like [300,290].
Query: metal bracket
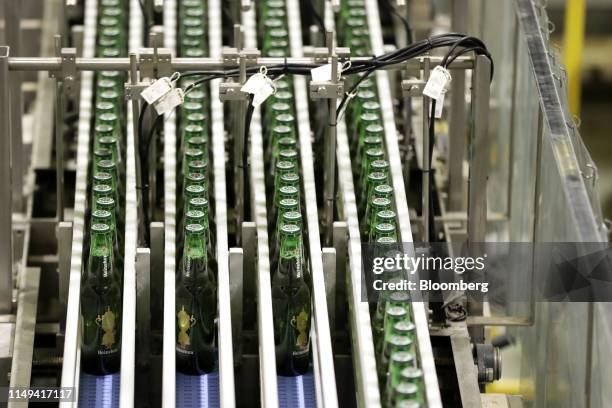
[68,72]
[230,91]
[326,90]
[412,87]
[143,304]
[230,56]
[164,62]
[146,62]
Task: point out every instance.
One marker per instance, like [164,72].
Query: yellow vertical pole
[575,15]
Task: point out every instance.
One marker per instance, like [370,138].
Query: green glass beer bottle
[100,307]
[399,361]
[291,305]
[405,392]
[196,307]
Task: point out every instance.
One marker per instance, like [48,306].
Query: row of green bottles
[400,378]
[291,300]
[196,287]
[101,281]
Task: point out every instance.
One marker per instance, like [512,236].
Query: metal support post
[135,115]
[479,172]
[59,149]
[12,29]
[457,118]
[330,147]
[6,225]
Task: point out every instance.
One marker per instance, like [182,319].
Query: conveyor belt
[296,392]
[197,391]
[99,391]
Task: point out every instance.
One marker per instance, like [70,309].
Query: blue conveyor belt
[197,391]
[296,392]
[99,391]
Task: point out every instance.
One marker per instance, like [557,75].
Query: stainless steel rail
[226,357]
[192,64]
[325,358]
[70,367]
[419,309]
[364,361]
[128,332]
[169,350]
[265,329]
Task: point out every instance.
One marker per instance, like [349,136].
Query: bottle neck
[101,255]
[194,252]
[291,253]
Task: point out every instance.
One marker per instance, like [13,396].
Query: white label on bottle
[260,86]
[169,101]
[157,90]
[324,73]
[439,79]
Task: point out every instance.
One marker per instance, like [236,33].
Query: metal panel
[265,329]
[70,367]
[321,320]
[420,311]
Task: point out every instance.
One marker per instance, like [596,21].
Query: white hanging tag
[439,79]
[440,106]
[260,86]
[324,73]
[169,101]
[157,90]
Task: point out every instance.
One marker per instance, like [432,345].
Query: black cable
[245,148]
[409,32]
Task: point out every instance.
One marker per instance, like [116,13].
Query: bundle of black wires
[460,44]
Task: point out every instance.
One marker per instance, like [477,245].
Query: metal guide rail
[267,361]
[128,341]
[169,330]
[71,356]
[419,309]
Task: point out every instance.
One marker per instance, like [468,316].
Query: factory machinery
[154,126]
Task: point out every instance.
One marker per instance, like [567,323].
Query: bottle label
[108,324]
[301,326]
[185,323]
